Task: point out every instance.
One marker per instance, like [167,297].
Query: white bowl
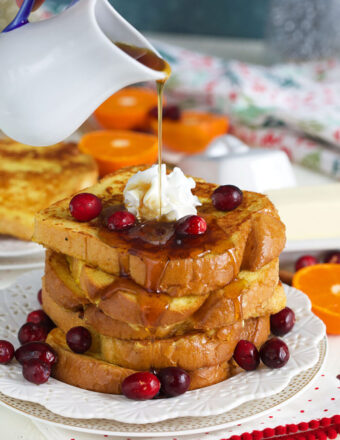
[229,161]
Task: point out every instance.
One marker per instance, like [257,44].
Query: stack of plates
[16,257]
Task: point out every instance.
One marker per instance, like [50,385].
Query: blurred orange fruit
[193,132]
[321,283]
[114,149]
[128,109]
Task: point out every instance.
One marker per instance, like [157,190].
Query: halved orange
[321,283]
[114,149]
[193,132]
[128,109]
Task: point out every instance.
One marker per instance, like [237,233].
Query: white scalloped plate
[69,401]
[13,247]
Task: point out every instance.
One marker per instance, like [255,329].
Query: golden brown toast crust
[33,178]
[56,229]
[91,373]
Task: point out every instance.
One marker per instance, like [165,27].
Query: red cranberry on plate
[333,258]
[304,261]
[36,371]
[274,353]
[120,220]
[85,207]
[79,339]
[246,355]
[227,197]
[31,332]
[6,352]
[141,386]
[174,381]
[171,111]
[40,317]
[190,226]
[282,322]
[39,296]
[36,350]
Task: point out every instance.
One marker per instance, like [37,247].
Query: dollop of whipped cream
[141,194]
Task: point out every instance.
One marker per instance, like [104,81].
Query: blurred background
[208,17]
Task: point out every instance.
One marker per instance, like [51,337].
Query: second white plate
[13,247]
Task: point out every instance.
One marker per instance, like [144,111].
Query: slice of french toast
[90,372]
[32,178]
[249,237]
[250,295]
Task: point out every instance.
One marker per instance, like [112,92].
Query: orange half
[193,132]
[127,109]
[114,149]
[321,283]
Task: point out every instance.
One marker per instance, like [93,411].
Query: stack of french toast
[151,300]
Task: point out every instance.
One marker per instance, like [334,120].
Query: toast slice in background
[32,178]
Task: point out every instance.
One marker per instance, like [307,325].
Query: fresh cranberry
[36,371]
[274,353]
[6,352]
[85,207]
[31,332]
[79,339]
[304,261]
[190,225]
[36,350]
[40,317]
[333,258]
[39,296]
[246,355]
[172,112]
[227,197]
[141,386]
[121,220]
[282,322]
[174,381]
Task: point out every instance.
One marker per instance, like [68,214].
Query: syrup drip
[152,306]
[153,61]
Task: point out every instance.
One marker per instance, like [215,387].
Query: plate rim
[36,249]
[323,350]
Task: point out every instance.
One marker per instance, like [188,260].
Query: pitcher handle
[22,16]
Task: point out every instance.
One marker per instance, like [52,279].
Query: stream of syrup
[153,61]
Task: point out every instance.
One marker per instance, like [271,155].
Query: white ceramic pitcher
[55,73]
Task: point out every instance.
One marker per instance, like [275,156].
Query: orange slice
[193,132]
[127,109]
[321,283]
[114,149]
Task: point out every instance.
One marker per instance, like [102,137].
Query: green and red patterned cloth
[292,107]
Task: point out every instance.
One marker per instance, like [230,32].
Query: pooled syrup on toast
[153,61]
[156,244]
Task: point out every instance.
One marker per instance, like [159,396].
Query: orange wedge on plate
[127,109]
[114,149]
[321,283]
[193,132]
